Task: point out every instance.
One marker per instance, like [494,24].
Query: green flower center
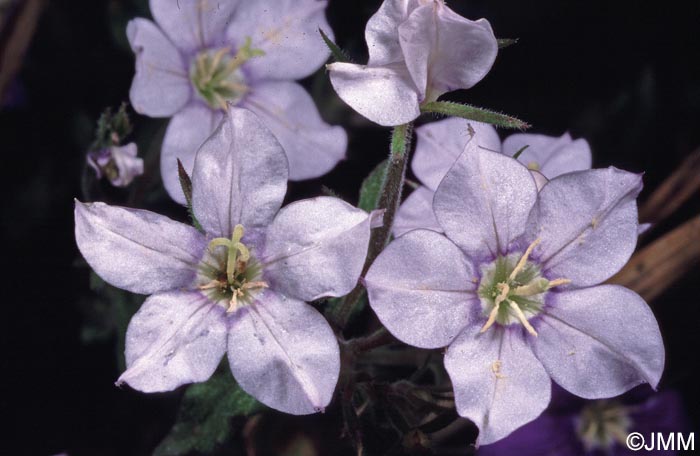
[512,290]
[228,273]
[602,424]
[217,77]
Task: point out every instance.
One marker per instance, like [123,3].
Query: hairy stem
[389,199]
[448,108]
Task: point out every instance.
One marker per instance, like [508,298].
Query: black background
[623,74]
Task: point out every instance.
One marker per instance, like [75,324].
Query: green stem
[389,200]
[448,108]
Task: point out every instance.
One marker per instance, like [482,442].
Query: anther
[523,260]
[558,282]
[523,319]
[491,320]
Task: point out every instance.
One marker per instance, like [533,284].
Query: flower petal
[283,353]
[382,32]
[175,338]
[287,31]
[129,166]
[137,250]
[418,38]
[240,176]
[587,224]
[551,155]
[313,147]
[316,248]
[440,143]
[459,40]
[422,289]
[186,132]
[194,25]
[161,85]
[484,201]
[599,342]
[498,382]
[416,212]
[549,434]
[386,95]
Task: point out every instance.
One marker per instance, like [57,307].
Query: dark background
[623,74]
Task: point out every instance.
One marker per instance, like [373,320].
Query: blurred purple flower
[201,54]
[576,427]
[440,144]
[119,165]
[243,284]
[512,287]
[418,50]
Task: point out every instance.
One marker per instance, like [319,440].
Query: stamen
[505,289]
[491,320]
[535,287]
[558,282]
[254,285]
[245,53]
[233,303]
[523,260]
[523,319]
[212,284]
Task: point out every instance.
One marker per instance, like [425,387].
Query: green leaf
[372,187]
[506,42]
[186,185]
[204,420]
[338,54]
[448,108]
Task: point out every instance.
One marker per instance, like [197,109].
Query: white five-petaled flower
[241,287]
[513,288]
[201,54]
[418,50]
[440,143]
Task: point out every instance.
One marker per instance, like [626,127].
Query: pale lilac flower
[418,50]
[512,287]
[201,54]
[239,288]
[119,164]
[440,143]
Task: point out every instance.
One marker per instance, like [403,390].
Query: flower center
[217,77]
[229,273]
[512,290]
[602,424]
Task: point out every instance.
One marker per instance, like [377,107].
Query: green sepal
[112,128]
[449,108]
[338,54]
[204,419]
[506,42]
[186,185]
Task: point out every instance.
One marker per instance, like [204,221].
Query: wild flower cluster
[500,254]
